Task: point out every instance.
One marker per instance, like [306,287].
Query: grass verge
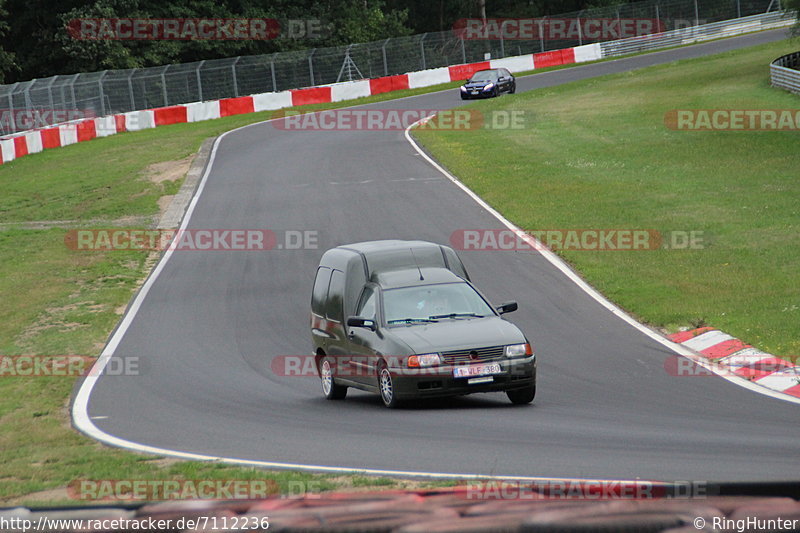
[597,154]
[61,302]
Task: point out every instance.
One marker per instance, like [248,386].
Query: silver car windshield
[433,302]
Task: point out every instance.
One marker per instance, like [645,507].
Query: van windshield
[429,303]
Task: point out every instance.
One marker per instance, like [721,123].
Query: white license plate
[477,370]
[474,92]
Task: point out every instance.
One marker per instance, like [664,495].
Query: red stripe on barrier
[51,138]
[20,146]
[568,56]
[462,72]
[1,154]
[119,121]
[314,95]
[86,130]
[724,348]
[683,336]
[236,106]
[794,391]
[170,115]
[549,59]
[388,84]
[762,368]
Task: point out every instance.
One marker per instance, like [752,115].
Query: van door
[364,343]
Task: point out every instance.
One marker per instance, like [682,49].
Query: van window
[320,290]
[333,306]
[366,307]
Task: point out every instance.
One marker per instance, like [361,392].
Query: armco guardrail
[119,91]
[784,72]
[694,34]
[32,141]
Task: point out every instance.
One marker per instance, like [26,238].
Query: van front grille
[457,357]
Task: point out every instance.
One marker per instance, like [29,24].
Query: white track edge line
[80,405]
[561,265]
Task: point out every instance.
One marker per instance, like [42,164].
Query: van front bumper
[409,383]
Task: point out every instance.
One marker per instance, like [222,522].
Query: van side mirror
[507,307]
[361,322]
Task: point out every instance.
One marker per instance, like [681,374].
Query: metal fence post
[463,51]
[28,103]
[130,89]
[272,71]
[50,93]
[541,33]
[102,94]
[199,79]
[385,63]
[311,65]
[72,91]
[235,82]
[738,9]
[164,86]
[696,14]
[658,20]
[11,107]
[580,32]
[422,49]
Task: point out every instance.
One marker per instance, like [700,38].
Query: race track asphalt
[211,324]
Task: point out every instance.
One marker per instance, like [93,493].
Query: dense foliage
[35,42]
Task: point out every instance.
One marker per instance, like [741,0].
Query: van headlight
[519,350]
[424,360]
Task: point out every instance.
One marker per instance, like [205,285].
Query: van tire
[331,389]
[386,387]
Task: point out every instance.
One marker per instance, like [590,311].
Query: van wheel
[386,387]
[331,389]
[522,396]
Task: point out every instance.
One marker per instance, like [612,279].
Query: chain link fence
[56,99]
